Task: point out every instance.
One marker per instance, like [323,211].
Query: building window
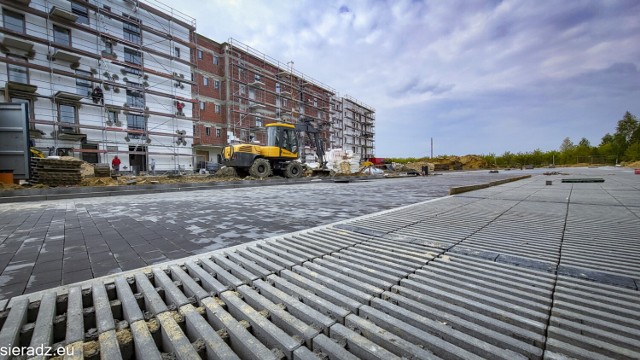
[136,122]
[108,47]
[18,73]
[217,107]
[256,77]
[207,130]
[242,89]
[315,102]
[67,115]
[278,88]
[83,87]
[284,102]
[216,84]
[202,105]
[131,31]
[252,93]
[200,54]
[82,12]
[258,122]
[218,132]
[135,96]
[177,52]
[61,35]
[112,117]
[205,81]
[13,21]
[216,60]
[132,56]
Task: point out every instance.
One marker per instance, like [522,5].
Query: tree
[633,152]
[584,142]
[567,145]
[627,126]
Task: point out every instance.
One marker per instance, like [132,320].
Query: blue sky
[479,77]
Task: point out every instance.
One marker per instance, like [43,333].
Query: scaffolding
[263,90]
[68,50]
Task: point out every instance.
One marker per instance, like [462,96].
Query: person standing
[115,164]
[152,166]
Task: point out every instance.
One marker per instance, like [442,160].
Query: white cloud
[517,72]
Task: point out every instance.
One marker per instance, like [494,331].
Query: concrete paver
[89,237]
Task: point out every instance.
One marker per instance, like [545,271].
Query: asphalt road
[52,243]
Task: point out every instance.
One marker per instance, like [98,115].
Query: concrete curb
[463,189]
[25,195]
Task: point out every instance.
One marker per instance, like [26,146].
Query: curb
[467,188]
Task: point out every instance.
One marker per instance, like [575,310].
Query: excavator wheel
[260,168]
[293,170]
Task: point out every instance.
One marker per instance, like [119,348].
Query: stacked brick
[56,172]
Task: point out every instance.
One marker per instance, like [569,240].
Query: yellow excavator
[281,153]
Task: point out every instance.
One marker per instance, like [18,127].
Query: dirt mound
[226,172]
[466,162]
[635,164]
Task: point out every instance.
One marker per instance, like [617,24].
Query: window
[315,102]
[202,105]
[216,84]
[108,47]
[61,35]
[207,131]
[256,77]
[131,31]
[13,21]
[112,117]
[216,60]
[82,12]
[67,115]
[177,52]
[252,93]
[18,73]
[278,88]
[218,132]
[205,81]
[200,54]
[217,107]
[106,8]
[135,96]
[136,122]
[83,87]
[284,102]
[132,56]
[258,122]
[242,89]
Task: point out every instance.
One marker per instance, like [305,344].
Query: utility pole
[431,148]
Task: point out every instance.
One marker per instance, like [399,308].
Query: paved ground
[46,244]
[522,270]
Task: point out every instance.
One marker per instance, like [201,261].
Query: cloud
[484,76]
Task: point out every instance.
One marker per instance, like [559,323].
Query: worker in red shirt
[115,164]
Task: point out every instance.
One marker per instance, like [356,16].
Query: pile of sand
[467,162]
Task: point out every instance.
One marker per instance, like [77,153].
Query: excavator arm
[305,127]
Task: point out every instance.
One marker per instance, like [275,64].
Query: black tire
[293,170]
[260,168]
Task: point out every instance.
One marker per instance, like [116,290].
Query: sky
[479,77]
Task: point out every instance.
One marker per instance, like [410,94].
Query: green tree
[627,126]
[633,152]
[567,145]
[584,142]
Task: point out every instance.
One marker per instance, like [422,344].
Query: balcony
[20,87]
[62,14]
[65,56]
[19,44]
[63,95]
[257,84]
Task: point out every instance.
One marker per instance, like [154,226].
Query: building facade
[353,126]
[240,90]
[102,78]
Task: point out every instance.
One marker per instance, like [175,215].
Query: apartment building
[353,126]
[240,90]
[102,78]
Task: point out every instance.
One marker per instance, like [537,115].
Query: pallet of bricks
[56,172]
